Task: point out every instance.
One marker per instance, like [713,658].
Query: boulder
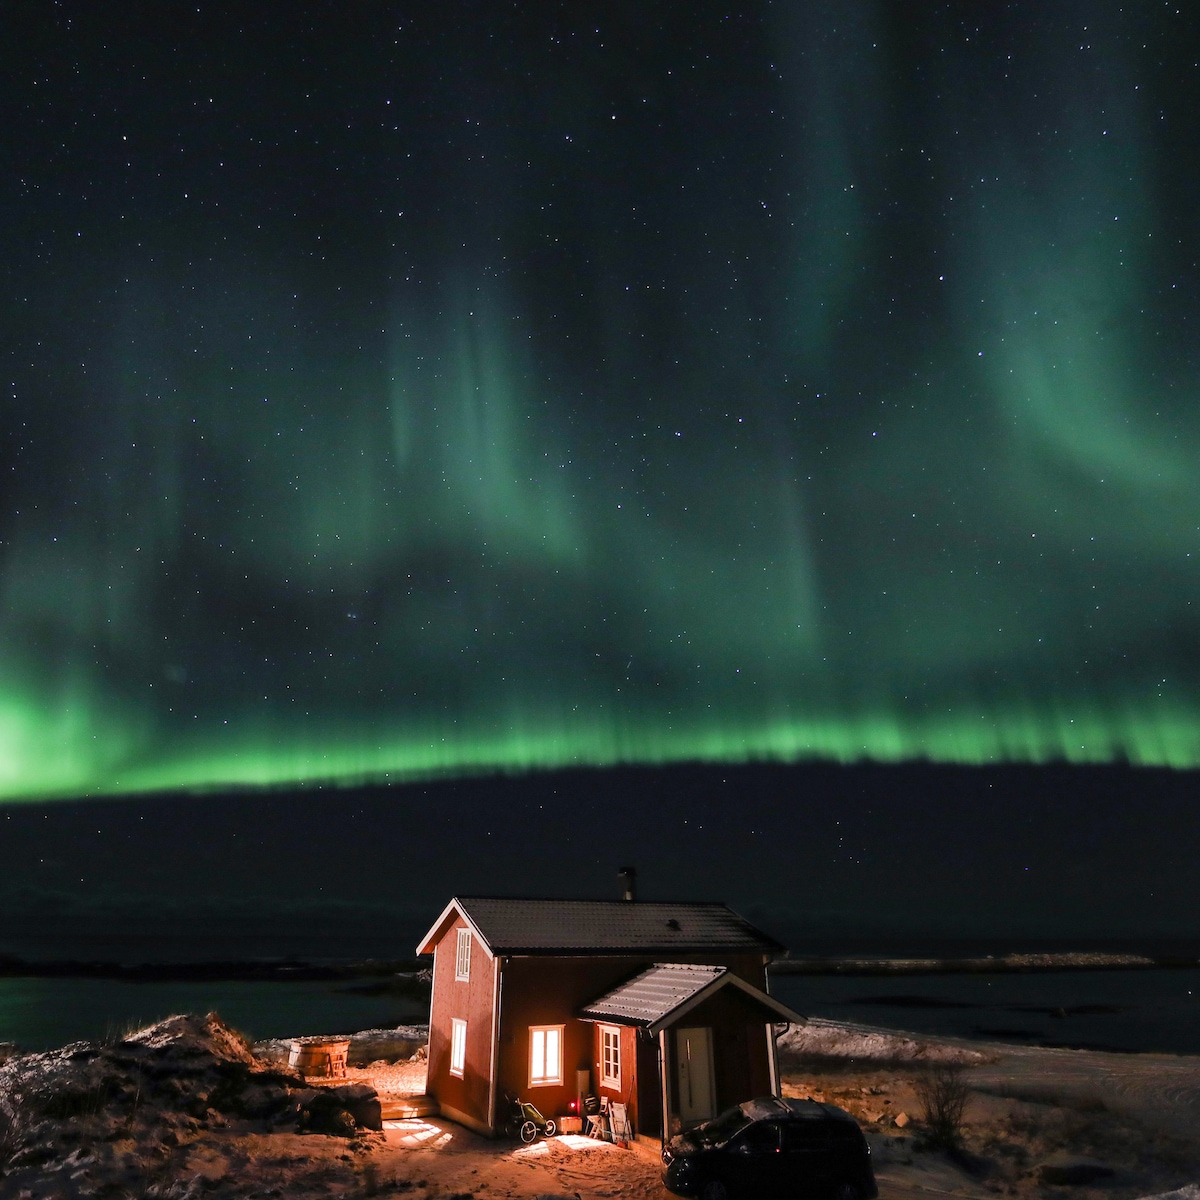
[362,1103]
[327,1110]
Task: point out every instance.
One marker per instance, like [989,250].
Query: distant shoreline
[1003,964]
[231,971]
[409,972]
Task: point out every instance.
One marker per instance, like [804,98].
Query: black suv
[772,1147]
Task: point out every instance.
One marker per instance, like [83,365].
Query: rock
[362,1102]
[1190,1191]
[900,1120]
[820,1038]
[393,1045]
[369,1046]
[273,1050]
[193,1036]
[327,1110]
[1072,1170]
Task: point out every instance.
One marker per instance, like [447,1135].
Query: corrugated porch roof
[665,992]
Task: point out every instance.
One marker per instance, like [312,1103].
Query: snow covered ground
[185,1109]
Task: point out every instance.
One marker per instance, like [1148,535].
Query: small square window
[462,960]
[610,1056]
[458,1046]
[545,1054]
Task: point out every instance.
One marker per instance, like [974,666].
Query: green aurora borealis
[467,390]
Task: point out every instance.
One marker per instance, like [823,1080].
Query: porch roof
[665,992]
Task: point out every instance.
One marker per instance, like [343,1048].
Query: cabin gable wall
[470,1000]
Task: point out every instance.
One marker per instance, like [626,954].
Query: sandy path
[437,1155]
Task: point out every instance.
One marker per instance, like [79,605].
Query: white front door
[694,1052]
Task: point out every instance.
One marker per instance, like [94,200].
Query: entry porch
[680,1042]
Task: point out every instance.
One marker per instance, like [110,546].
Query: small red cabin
[661,1007]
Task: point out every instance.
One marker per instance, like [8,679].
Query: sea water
[41,1013]
[1125,1010]
[1129,1010]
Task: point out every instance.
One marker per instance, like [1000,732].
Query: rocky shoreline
[990,964]
[95,1119]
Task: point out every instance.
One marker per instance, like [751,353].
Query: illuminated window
[610,1056]
[458,1046]
[462,960]
[545,1054]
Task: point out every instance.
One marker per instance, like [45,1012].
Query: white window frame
[462,956]
[610,1040]
[546,1079]
[458,1046]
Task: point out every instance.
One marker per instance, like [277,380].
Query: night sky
[393,392]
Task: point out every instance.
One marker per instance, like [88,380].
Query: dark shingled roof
[510,926]
[664,992]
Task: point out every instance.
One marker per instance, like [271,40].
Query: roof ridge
[631,904]
[658,928]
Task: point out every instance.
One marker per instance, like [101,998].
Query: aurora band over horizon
[809,392]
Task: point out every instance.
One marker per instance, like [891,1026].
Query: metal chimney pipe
[627,879]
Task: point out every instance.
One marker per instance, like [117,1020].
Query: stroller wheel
[551,1129]
[528,1132]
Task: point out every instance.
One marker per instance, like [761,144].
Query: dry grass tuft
[942,1092]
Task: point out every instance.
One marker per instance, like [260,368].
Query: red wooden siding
[471,1001]
[627,1093]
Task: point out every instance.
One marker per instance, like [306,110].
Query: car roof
[771,1108]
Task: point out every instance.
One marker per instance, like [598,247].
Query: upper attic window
[462,960]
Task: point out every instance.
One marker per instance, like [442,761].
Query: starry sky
[393,391]
[830,859]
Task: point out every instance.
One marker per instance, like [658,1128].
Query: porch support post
[494,1062]
[773,1059]
[665,1071]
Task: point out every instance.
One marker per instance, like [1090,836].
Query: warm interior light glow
[545,1054]
[458,1046]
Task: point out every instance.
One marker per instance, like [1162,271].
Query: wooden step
[397,1108]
